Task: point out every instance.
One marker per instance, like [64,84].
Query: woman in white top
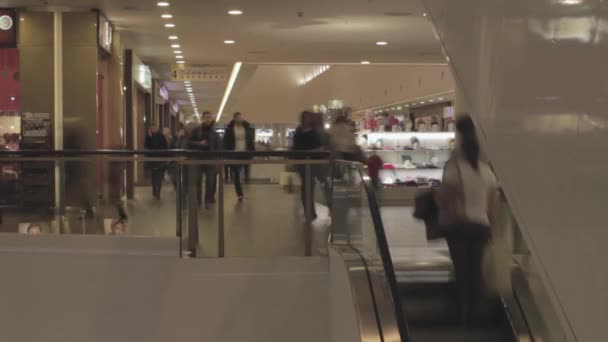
[467,201]
[238,137]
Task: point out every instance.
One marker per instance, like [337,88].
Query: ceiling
[269,31]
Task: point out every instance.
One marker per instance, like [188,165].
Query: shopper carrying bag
[467,204]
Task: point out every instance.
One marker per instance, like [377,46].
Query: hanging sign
[199,74]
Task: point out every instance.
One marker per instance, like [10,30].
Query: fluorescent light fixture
[440,99]
[431,101]
[169,25]
[407,105]
[381,43]
[162,4]
[422,102]
[173,37]
[181,62]
[571,2]
[177,52]
[229,41]
[233,76]
[235,12]
[179,57]
[176,46]
[364,62]
[166,16]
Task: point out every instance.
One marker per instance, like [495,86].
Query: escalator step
[457,335]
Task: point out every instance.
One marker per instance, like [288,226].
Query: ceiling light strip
[231,82]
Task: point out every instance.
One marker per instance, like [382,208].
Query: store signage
[8,28]
[105,33]
[164,93]
[144,77]
[199,74]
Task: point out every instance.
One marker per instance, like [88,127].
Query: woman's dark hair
[468,140]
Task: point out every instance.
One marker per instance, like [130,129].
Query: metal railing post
[220,233]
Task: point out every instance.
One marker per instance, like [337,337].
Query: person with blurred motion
[178,142]
[467,201]
[342,140]
[309,137]
[204,138]
[238,137]
[157,141]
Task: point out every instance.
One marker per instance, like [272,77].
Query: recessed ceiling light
[169,25]
[235,12]
[166,16]
[424,14]
[422,102]
[177,52]
[440,99]
[179,57]
[364,62]
[162,4]
[176,46]
[407,105]
[173,37]
[381,43]
[229,41]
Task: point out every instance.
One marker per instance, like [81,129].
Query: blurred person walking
[309,136]
[467,201]
[156,141]
[238,137]
[204,138]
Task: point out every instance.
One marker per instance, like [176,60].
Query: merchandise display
[411,159]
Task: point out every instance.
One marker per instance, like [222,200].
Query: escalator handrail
[383,247]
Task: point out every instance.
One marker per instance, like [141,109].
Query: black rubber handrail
[383,248]
[168,153]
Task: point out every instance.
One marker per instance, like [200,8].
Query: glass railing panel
[87,195]
[357,223]
[268,220]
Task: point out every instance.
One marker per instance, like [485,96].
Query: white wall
[534,74]
[63,294]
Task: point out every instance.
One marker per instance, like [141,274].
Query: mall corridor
[378,170]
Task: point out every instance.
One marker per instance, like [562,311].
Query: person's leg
[236,178]
[247,169]
[458,252]
[476,248]
[199,184]
[209,185]
[157,178]
[212,174]
[307,199]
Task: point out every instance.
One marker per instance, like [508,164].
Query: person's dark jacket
[157,142]
[230,138]
[307,140]
[206,133]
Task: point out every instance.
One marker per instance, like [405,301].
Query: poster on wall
[35,129]
[36,125]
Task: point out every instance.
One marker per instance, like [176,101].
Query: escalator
[419,294]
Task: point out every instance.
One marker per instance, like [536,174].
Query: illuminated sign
[105,33]
[8,28]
